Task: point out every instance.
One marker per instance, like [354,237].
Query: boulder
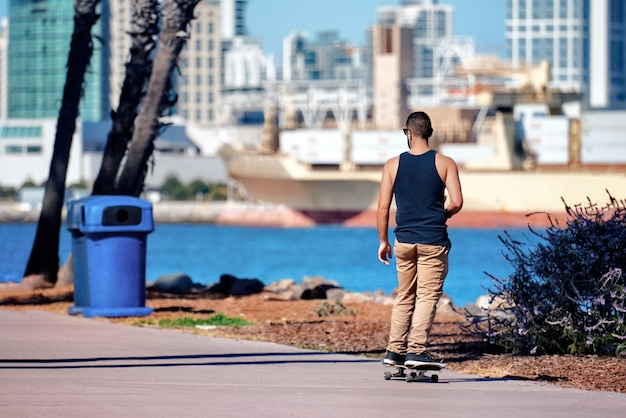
[178,283]
[230,285]
[245,287]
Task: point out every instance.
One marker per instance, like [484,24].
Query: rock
[178,283]
[483,302]
[230,285]
[282,285]
[245,287]
[445,304]
[336,293]
[355,298]
[318,292]
[315,281]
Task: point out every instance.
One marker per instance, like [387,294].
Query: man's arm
[382,212]
[453,185]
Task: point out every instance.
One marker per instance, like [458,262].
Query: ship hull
[336,196]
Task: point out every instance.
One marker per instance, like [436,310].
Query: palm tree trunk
[44,256]
[176,17]
[144,31]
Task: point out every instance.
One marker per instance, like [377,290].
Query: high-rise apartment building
[200,83]
[233,13]
[431,48]
[393,65]
[327,57]
[584,41]
[431,23]
[39,41]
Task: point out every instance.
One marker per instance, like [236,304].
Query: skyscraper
[233,13]
[201,67]
[39,41]
[431,23]
[426,39]
[585,44]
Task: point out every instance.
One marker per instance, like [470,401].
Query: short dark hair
[419,124]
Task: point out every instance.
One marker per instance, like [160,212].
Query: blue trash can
[109,236]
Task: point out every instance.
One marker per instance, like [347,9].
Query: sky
[272,20]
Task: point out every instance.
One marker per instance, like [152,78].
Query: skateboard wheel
[387,375]
[409,378]
[434,378]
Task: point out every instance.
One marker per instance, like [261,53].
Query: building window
[20,132]
[13,149]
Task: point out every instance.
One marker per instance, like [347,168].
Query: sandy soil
[363,328]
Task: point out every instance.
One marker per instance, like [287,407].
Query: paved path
[58,365]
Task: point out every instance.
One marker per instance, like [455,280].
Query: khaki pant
[421,272]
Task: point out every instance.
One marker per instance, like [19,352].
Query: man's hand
[384,252]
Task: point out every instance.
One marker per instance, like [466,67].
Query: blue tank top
[419,194]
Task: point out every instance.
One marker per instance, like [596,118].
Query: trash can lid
[110,213]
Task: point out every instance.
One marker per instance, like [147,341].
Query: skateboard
[412,374]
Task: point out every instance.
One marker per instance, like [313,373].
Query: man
[418,179]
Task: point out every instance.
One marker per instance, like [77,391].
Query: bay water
[346,255]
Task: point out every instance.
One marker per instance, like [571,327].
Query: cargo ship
[342,183]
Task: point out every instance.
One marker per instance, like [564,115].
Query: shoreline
[280,216]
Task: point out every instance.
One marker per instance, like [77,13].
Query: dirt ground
[361,329]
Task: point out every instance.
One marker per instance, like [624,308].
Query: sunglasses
[406,131]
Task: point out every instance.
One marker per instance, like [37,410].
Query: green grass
[217,320]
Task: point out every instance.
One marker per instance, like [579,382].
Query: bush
[566,294]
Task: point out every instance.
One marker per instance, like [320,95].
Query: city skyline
[352,17]
[312,17]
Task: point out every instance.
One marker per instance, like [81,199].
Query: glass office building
[583,40]
[40,33]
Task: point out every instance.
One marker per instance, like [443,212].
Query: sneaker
[423,359]
[391,359]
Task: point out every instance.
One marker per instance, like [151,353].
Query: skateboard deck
[412,374]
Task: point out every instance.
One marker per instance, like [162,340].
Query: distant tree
[177,15]
[174,189]
[43,263]
[143,33]
[198,187]
[8,193]
[29,183]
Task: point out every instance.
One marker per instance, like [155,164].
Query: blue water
[345,255]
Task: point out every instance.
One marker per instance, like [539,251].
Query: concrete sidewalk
[58,365]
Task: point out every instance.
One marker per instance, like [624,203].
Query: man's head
[419,124]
